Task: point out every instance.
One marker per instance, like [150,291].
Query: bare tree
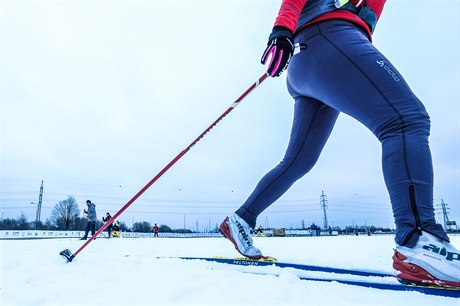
[65,213]
[23,223]
[123,227]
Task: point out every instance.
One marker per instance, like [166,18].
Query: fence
[43,234]
[36,234]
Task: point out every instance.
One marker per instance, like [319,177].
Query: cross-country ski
[368,279]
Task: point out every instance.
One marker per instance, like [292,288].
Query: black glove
[280,47]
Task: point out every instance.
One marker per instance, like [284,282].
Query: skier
[92,217]
[155,230]
[334,68]
[109,228]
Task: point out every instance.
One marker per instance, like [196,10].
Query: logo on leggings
[388,69]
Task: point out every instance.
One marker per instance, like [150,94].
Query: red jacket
[291,9]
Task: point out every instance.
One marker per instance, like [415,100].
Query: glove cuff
[280,31]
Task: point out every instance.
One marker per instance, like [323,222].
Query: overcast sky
[98,96]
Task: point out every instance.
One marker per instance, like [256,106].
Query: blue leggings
[339,70]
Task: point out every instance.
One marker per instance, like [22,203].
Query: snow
[126,271]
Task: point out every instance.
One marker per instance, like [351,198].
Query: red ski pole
[67,254]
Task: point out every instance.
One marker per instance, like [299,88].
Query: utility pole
[39,206]
[444,214]
[323,202]
[447,224]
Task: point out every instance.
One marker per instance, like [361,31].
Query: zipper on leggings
[413,205]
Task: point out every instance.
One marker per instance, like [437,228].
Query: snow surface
[126,271]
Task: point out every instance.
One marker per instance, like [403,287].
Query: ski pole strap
[361,9]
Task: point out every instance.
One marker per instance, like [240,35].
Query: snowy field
[127,272]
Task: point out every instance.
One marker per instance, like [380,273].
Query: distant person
[315,230]
[155,230]
[332,68]
[91,217]
[116,225]
[318,230]
[116,229]
[110,227]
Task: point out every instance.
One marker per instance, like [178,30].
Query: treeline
[145,227]
[349,229]
[79,224]
[365,229]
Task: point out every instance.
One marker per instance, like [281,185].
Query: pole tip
[67,255]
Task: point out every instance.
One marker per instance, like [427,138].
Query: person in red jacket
[334,68]
[155,230]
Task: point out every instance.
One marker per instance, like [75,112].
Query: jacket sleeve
[289,13]
[92,213]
